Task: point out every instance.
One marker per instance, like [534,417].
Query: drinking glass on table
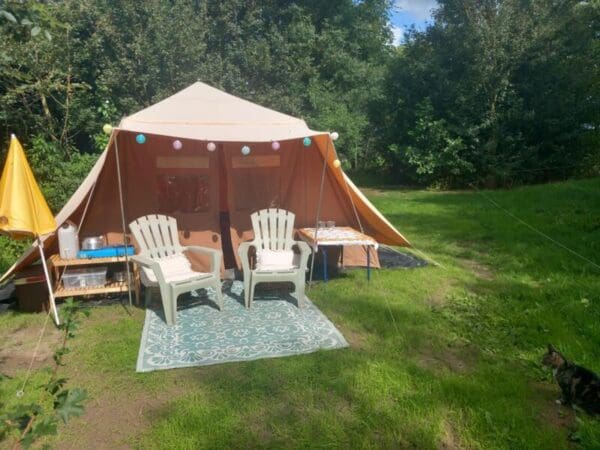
[321,224]
[330,224]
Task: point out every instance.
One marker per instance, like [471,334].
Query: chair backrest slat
[272,218]
[155,230]
[289,230]
[281,222]
[172,233]
[256,227]
[264,229]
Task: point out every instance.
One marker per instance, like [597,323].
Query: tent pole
[362,230]
[50,290]
[312,263]
[123,218]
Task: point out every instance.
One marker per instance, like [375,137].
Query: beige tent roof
[204,113]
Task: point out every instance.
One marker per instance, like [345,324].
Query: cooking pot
[93,243]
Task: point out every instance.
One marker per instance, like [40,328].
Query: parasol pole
[50,290]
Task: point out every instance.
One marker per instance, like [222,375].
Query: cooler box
[31,289]
[107,252]
[84,277]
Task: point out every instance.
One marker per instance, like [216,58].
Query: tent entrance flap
[229,259]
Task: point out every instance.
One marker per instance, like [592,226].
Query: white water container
[68,240]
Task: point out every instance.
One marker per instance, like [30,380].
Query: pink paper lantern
[211,146]
[177,145]
[275,145]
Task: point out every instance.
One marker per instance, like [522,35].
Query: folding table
[340,237]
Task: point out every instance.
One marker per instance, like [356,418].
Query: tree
[494,74]
[319,60]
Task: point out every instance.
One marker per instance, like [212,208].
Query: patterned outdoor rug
[203,335]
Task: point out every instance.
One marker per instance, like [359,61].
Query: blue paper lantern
[245,150]
[307,141]
[140,139]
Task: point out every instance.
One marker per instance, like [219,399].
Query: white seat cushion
[274,260]
[174,268]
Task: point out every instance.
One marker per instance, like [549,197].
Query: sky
[408,12]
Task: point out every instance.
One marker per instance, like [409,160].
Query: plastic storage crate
[84,277]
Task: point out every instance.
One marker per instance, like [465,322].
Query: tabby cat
[580,386]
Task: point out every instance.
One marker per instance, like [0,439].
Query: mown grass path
[439,358]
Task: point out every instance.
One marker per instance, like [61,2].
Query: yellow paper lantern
[337,163]
[107,128]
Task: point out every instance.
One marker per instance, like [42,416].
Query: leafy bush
[10,250]
[435,154]
[58,177]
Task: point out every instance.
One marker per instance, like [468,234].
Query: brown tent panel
[199,187]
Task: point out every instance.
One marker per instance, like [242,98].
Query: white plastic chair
[164,264]
[275,257]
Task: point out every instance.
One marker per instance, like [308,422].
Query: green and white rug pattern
[203,335]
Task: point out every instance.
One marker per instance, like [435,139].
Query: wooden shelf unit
[55,263]
[113,287]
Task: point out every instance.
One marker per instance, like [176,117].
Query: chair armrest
[305,252]
[215,257]
[150,264]
[243,250]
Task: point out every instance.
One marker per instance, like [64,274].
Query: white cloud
[420,9]
[398,33]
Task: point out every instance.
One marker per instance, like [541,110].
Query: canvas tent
[200,187]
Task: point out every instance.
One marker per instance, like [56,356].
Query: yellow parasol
[23,208]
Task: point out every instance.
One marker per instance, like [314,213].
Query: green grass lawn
[440,357]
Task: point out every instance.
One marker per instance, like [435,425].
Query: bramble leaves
[69,403]
[45,426]
[55,385]
[58,355]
